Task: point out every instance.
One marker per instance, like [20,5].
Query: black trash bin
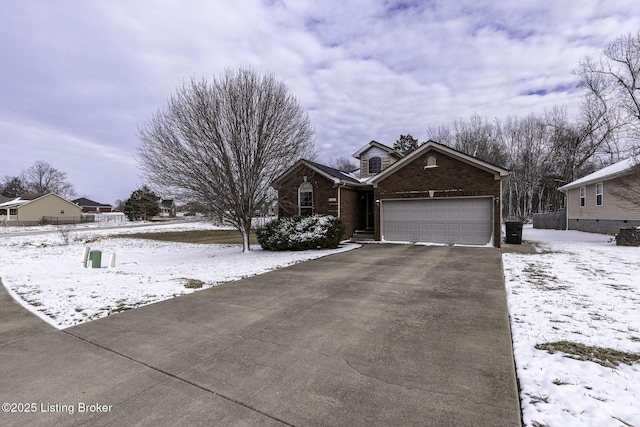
[513,230]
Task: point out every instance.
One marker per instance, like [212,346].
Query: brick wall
[350,210]
[325,198]
[451,178]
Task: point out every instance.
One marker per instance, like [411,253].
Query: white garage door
[451,220]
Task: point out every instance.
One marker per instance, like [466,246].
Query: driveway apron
[385,335]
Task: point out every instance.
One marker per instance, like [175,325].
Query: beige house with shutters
[39,209]
[596,202]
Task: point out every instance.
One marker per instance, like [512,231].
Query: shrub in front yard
[300,233]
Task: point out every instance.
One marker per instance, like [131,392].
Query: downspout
[566,209]
[339,198]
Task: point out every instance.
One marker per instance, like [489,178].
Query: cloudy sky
[78,78]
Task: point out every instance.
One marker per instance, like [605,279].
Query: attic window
[375,165]
[431,162]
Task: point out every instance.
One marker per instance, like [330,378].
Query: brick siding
[451,178]
[325,197]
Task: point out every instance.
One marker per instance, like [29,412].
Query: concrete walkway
[385,335]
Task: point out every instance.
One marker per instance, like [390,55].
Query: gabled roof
[389,150]
[83,201]
[13,203]
[20,200]
[499,172]
[604,174]
[330,173]
[30,198]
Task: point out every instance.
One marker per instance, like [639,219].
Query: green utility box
[96,259]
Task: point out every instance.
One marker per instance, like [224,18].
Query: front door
[368,211]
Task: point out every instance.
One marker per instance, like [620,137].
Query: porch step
[362,235]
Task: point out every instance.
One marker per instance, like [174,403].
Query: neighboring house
[433,194]
[39,209]
[167,208]
[594,202]
[89,206]
[93,211]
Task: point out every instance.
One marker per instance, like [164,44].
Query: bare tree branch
[223,143]
[42,178]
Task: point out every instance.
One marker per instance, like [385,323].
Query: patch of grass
[207,237]
[538,276]
[606,357]
[538,399]
[193,284]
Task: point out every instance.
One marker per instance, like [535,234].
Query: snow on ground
[581,288]
[48,276]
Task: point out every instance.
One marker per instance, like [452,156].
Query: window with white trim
[599,194]
[305,199]
[583,197]
[375,165]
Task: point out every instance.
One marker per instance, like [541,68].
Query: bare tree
[44,178]
[441,133]
[529,161]
[344,164]
[222,143]
[613,81]
[479,138]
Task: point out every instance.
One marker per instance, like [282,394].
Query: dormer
[375,157]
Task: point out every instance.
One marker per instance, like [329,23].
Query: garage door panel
[465,221]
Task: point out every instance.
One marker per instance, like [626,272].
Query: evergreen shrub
[300,233]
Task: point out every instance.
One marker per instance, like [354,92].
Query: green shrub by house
[301,233]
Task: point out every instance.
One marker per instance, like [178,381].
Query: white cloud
[95,71]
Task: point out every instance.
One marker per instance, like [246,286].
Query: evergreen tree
[142,205]
[13,187]
[406,143]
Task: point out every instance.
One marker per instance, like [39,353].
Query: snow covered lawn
[579,289]
[48,276]
[582,289]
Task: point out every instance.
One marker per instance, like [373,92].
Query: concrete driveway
[386,335]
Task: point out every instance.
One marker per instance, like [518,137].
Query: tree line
[544,152]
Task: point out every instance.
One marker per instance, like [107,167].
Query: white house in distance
[594,202]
